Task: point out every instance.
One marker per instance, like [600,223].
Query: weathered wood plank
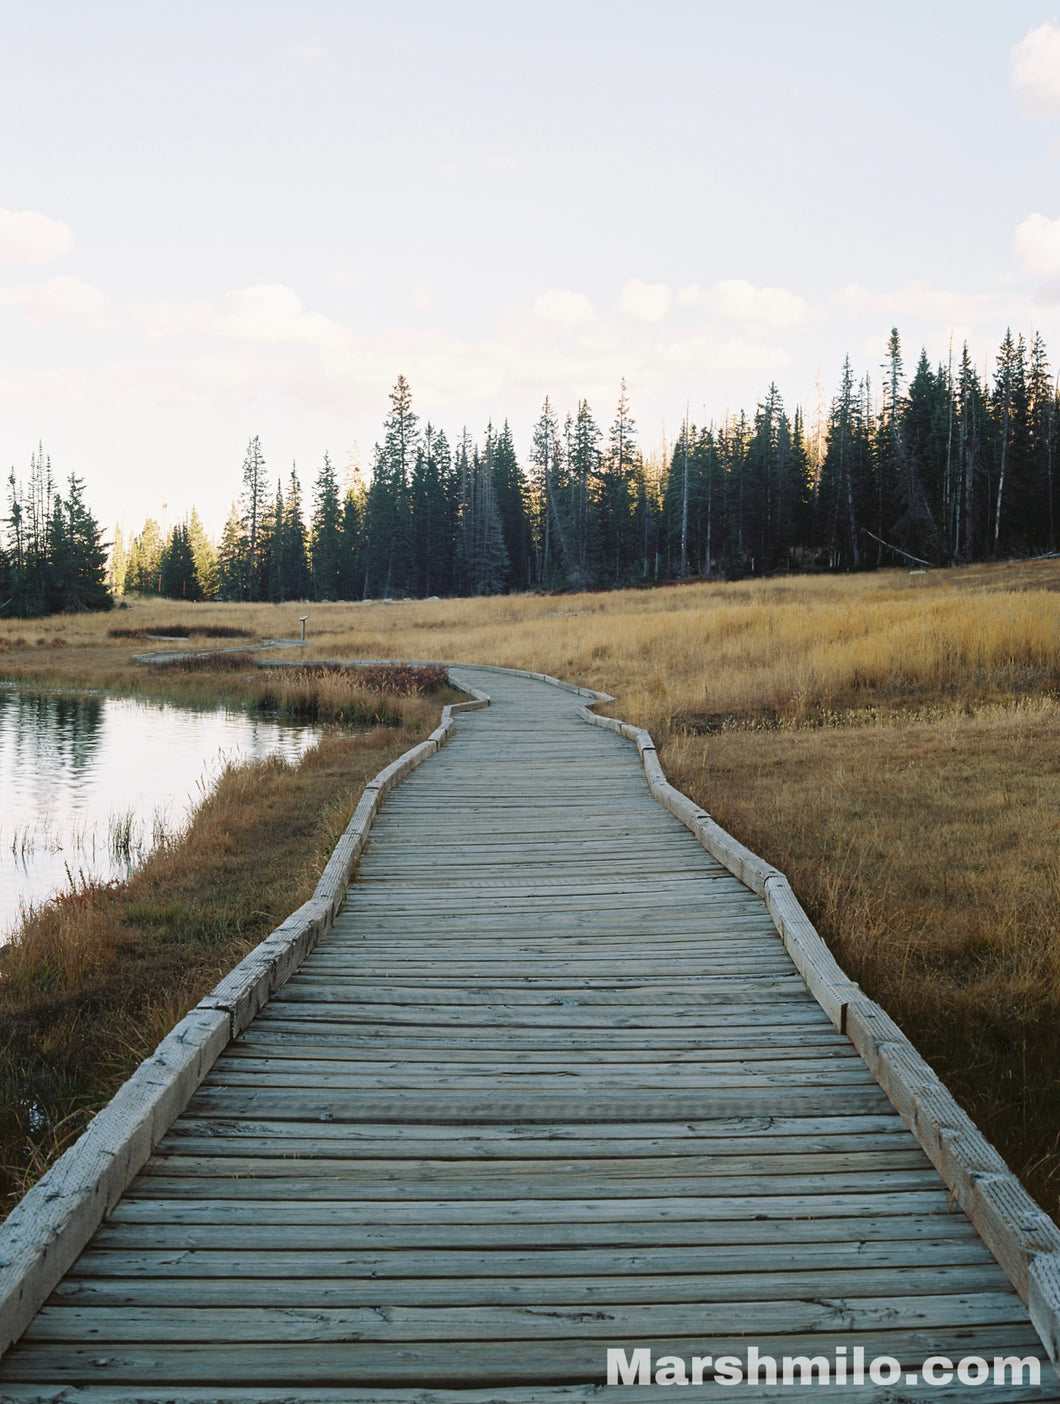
[491,1321]
[828,1072]
[797,1218]
[112,1297]
[765,1046]
[710,1393]
[550,1079]
[542,1107]
[728,1033]
[903,1157]
[874,1248]
[249,1179]
[481,1363]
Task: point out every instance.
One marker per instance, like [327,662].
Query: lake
[88,785]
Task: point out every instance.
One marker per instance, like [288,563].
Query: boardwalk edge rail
[46,1231]
[1021,1236]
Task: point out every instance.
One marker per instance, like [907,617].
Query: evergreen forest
[934,467]
[52,556]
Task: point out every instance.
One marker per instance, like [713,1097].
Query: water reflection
[88,784]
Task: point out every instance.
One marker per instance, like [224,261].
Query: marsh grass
[184,631]
[890,740]
[96,977]
[927,855]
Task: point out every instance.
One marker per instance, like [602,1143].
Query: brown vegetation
[889,740]
[185,631]
[97,976]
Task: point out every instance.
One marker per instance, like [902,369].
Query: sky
[234,219]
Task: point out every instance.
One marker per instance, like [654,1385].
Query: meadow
[93,979]
[891,741]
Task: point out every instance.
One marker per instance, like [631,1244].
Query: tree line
[52,555]
[944,466]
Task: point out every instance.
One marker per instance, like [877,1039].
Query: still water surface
[88,785]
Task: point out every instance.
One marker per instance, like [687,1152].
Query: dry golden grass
[94,979]
[890,740]
[792,649]
[927,855]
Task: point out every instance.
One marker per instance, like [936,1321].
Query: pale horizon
[251,221]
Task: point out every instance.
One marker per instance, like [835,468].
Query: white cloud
[29,237]
[261,345]
[563,308]
[218,380]
[45,389]
[56,300]
[1034,67]
[1036,243]
[736,300]
[304,55]
[421,297]
[266,313]
[271,312]
[918,299]
[693,356]
[645,302]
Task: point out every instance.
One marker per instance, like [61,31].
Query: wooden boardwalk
[550,1085]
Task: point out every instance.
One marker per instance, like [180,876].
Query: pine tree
[254,507]
[486,561]
[35,511]
[511,493]
[77,575]
[353,554]
[144,561]
[271,579]
[1011,429]
[463,565]
[296,573]
[971,431]
[54,557]
[1038,504]
[117,562]
[770,493]
[7,582]
[179,579]
[648,515]
[693,520]
[919,486]
[16,525]
[327,542]
[583,467]
[842,487]
[232,558]
[551,549]
[205,557]
[615,496]
[732,441]
[387,524]
[803,484]
[432,507]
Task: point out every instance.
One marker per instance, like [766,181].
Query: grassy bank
[889,740]
[926,854]
[95,978]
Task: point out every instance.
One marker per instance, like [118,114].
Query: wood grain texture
[549,1080]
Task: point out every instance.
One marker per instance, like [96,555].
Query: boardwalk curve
[551,1083]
